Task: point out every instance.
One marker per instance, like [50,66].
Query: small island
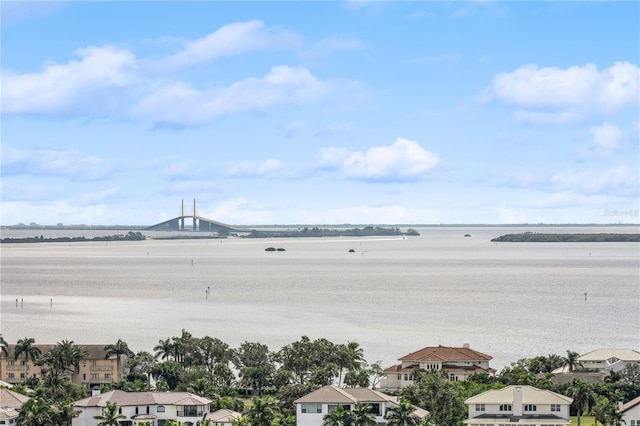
[535,237]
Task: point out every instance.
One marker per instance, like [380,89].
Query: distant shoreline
[534,237]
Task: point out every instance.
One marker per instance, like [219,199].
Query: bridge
[192,222]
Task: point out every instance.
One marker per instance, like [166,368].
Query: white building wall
[632,416]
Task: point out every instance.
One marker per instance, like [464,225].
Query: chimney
[465,345]
[517,401]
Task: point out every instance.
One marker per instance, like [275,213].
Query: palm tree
[35,412]
[4,347]
[262,410]
[571,361]
[337,417]
[583,396]
[110,416]
[25,346]
[164,349]
[118,349]
[143,362]
[402,415]
[362,415]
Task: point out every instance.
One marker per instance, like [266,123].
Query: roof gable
[124,399]
[445,353]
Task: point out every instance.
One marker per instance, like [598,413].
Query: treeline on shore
[535,237]
[130,236]
[367,231]
[252,375]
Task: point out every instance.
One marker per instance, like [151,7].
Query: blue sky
[320,112]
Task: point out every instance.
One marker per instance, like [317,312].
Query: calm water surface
[393,295]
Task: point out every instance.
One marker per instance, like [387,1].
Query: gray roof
[223,415]
[530,395]
[334,394]
[124,399]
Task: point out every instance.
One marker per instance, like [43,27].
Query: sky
[326,112]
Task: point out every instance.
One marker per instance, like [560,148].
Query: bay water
[392,295]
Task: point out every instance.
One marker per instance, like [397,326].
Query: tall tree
[337,417]
[361,415]
[118,349]
[4,347]
[583,396]
[571,361]
[402,415]
[164,349]
[261,411]
[36,412]
[110,416]
[26,347]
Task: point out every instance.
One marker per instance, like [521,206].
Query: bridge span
[193,222]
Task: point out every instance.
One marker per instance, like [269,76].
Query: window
[480,407]
[94,363]
[11,375]
[95,376]
[190,411]
[555,407]
[107,375]
[160,409]
[23,362]
[22,375]
[345,407]
[313,408]
[399,376]
[530,407]
[11,363]
[505,407]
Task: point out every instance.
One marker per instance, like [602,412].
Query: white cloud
[254,170]
[62,89]
[607,138]
[232,39]
[621,179]
[555,95]
[404,160]
[62,163]
[179,104]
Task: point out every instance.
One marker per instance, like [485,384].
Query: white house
[458,362]
[154,407]
[606,360]
[519,405]
[311,408]
[631,412]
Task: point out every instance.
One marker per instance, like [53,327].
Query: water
[392,295]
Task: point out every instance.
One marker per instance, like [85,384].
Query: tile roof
[605,354]
[124,399]
[11,400]
[94,351]
[445,353]
[223,415]
[530,395]
[334,394]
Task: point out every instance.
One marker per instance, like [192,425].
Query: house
[458,362]
[95,370]
[519,405]
[631,412]
[595,366]
[10,404]
[311,408]
[223,417]
[157,408]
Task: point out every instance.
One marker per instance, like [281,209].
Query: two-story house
[519,405]
[95,370]
[311,408]
[458,362]
[157,408]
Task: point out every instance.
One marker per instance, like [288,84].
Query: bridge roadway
[198,224]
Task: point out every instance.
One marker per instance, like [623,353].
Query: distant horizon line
[298,225]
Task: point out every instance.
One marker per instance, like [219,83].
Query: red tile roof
[444,354]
